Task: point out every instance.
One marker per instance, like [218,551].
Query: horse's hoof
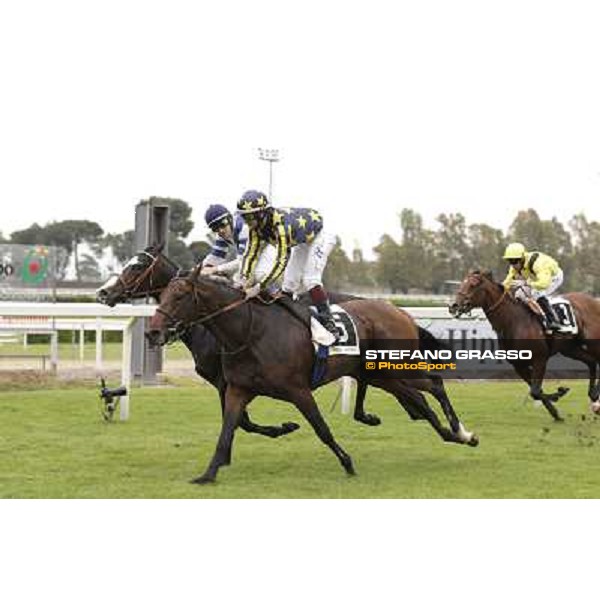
[474,441]
[368,419]
[595,406]
[348,466]
[563,390]
[203,479]
[289,427]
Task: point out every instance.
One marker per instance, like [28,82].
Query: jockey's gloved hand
[208,271]
[252,291]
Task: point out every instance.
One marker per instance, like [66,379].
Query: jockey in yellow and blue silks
[302,248]
[541,272]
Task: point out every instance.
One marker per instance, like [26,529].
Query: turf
[54,444]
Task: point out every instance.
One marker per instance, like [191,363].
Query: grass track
[53,444]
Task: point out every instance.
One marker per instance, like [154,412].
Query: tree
[388,268]
[337,271]
[417,251]
[180,253]
[451,248]
[585,273]
[70,233]
[360,274]
[122,244]
[486,246]
[89,269]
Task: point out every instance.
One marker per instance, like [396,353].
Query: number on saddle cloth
[564,314]
[347,342]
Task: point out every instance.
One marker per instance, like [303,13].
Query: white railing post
[126,369]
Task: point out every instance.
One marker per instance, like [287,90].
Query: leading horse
[515,324]
[270,353]
[148,273]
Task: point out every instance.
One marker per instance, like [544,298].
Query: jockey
[302,248]
[541,272]
[229,244]
[225,257]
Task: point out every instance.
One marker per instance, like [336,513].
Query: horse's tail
[427,341]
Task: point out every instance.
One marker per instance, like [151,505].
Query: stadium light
[271,155]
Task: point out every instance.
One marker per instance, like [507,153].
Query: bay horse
[147,274]
[270,353]
[515,323]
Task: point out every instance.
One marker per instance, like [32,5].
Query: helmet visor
[216,226]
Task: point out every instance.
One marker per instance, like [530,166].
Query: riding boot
[318,297]
[552,323]
[326,318]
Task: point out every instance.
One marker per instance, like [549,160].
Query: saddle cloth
[347,344]
[564,314]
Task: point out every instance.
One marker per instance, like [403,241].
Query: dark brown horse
[516,324]
[148,273]
[270,353]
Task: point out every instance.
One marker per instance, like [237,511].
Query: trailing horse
[268,352]
[515,324]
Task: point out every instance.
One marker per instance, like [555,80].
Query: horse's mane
[487,274]
[157,250]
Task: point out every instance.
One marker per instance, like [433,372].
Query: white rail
[27,316]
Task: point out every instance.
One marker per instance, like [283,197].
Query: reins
[220,311]
[496,304]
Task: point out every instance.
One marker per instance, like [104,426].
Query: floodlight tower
[271,155]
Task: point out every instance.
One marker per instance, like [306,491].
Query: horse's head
[472,292]
[145,274]
[189,300]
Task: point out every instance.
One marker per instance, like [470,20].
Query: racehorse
[516,325]
[270,353]
[147,274]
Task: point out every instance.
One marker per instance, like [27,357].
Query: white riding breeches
[554,285]
[307,262]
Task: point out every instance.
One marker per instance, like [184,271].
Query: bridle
[494,306]
[131,290]
[220,311]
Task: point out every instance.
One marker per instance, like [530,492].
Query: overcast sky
[479,107]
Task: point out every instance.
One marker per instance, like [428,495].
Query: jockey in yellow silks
[542,276]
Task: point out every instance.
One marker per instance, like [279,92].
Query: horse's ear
[160,247]
[488,274]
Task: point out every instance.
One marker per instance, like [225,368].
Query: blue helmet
[252,202]
[217,215]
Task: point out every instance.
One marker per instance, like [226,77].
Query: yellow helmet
[514,251]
